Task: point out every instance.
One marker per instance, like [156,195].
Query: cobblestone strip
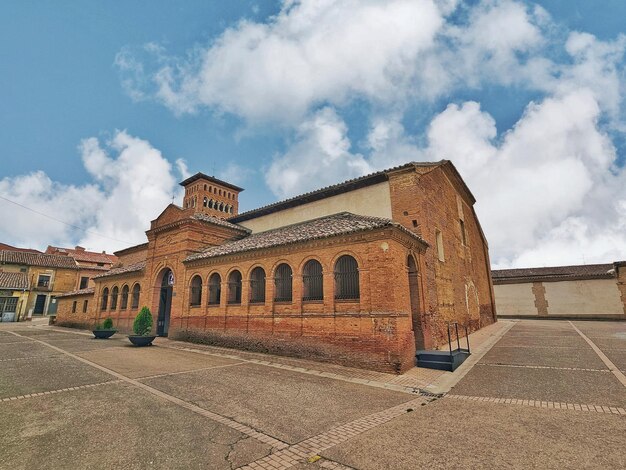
[311,447]
[542,367]
[612,367]
[52,392]
[331,375]
[248,431]
[29,357]
[168,374]
[551,405]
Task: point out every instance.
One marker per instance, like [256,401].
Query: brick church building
[360,273]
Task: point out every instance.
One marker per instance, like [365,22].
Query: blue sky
[107,105]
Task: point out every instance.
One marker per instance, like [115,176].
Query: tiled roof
[217,221]
[13,280]
[212,179]
[5,246]
[83,255]
[37,259]
[324,227]
[131,268]
[88,290]
[555,273]
[131,249]
[345,186]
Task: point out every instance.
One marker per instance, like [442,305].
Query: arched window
[231,209]
[346,278]
[114,294]
[234,288]
[257,285]
[124,302]
[205,201]
[105,298]
[136,292]
[211,204]
[282,281]
[221,207]
[215,289]
[312,280]
[195,297]
[205,187]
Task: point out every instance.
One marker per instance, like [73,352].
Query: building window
[124,303]
[439,242]
[43,281]
[84,282]
[136,292]
[463,234]
[114,294]
[195,297]
[283,281]
[105,298]
[8,304]
[234,288]
[215,289]
[74,307]
[346,278]
[312,281]
[257,285]
[205,202]
[85,303]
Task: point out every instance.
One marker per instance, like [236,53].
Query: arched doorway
[165,302]
[414,296]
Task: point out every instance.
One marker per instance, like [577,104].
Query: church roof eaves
[328,191]
[212,179]
[342,223]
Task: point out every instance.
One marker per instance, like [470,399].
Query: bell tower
[207,194]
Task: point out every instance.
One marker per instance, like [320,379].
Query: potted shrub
[104,330]
[142,327]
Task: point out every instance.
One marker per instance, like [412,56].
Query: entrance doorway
[416,316]
[165,302]
[40,304]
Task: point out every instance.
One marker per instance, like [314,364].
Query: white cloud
[548,189]
[128,191]
[320,156]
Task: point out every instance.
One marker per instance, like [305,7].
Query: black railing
[458,339]
[313,287]
[347,285]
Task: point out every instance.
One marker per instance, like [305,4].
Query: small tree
[107,324]
[143,322]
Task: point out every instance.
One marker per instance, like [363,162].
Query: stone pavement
[548,394]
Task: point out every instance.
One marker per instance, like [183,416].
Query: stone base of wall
[365,353]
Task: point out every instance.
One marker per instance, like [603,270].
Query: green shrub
[107,324]
[97,326]
[143,322]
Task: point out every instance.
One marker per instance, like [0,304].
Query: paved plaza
[534,394]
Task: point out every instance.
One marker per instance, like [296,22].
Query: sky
[106,106]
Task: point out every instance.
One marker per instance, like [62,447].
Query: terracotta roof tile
[13,280]
[37,259]
[88,290]
[221,222]
[83,255]
[130,268]
[554,273]
[324,227]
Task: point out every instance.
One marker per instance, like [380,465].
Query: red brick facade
[405,296]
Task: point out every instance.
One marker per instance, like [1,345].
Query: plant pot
[141,340]
[103,334]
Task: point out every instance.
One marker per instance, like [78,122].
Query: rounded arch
[257,284]
[195,291]
[346,272]
[312,280]
[214,283]
[136,292]
[105,299]
[159,278]
[283,283]
[339,254]
[124,299]
[235,282]
[115,291]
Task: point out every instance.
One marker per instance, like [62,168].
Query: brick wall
[458,288]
